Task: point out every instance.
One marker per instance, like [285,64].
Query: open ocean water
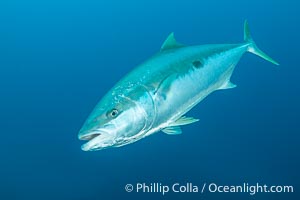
[59,57]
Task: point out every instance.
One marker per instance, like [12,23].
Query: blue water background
[59,57]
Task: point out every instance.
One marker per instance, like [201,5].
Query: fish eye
[112,113]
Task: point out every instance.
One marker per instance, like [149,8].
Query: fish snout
[97,141]
[88,135]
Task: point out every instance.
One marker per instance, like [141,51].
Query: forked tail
[252,47]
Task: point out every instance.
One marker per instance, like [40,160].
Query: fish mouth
[97,140]
[89,136]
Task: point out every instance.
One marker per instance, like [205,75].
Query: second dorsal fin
[170,43]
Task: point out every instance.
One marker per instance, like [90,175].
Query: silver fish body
[158,93]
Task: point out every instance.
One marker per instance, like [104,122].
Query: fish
[156,95]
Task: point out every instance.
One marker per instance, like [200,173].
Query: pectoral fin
[184,121]
[164,87]
[172,130]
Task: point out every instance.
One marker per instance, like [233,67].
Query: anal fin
[228,85]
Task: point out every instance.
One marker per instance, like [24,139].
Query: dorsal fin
[170,43]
